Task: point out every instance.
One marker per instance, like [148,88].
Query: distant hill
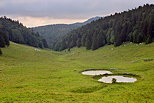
[53,32]
[11,30]
[136,25]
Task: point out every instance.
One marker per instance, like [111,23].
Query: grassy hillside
[29,76]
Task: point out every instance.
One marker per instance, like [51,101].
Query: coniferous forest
[53,32]
[11,30]
[136,25]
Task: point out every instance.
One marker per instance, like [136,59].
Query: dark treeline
[0,52]
[4,38]
[11,30]
[135,26]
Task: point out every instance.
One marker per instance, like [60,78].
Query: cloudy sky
[42,12]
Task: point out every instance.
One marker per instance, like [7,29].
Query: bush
[114,80]
[69,49]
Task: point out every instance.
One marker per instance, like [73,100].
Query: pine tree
[150,29]
[88,44]
[45,43]
[78,43]
[94,42]
[2,39]
[1,52]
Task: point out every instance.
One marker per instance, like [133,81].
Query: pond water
[96,72]
[108,79]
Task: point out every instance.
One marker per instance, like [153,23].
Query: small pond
[96,72]
[108,79]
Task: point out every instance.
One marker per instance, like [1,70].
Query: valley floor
[31,76]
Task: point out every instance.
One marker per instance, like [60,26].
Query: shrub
[114,80]
[69,49]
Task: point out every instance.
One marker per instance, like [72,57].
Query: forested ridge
[11,30]
[53,32]
[136,25]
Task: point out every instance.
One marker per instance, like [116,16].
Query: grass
[29,76]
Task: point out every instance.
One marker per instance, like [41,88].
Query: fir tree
[1,52]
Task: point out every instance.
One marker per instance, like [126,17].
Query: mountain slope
[135,25]
[16,32]
[53,32]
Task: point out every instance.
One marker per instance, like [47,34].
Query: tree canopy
[136,25]
[11,30]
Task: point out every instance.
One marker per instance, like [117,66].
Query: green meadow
[30,76]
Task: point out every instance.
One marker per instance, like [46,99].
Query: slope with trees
[11,30]
[53,32]
[136,25]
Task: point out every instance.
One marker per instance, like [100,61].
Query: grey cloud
[67,8]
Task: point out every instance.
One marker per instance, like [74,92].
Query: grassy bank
[31,76]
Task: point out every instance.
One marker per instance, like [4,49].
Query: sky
[43,12]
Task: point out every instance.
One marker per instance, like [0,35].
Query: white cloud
[39,21]
[66,8]
[60,10]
